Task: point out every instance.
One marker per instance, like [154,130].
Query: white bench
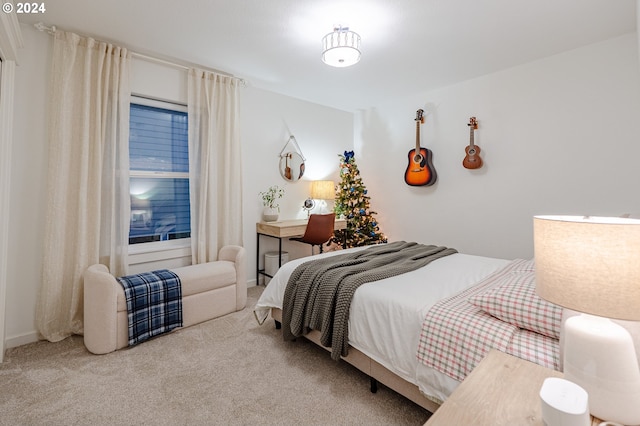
[209,290]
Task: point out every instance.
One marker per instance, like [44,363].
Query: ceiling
[407,45]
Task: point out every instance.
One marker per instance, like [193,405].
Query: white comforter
[386,316]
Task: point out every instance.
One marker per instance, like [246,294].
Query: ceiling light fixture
[341,48]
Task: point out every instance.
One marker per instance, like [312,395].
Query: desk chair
[318,231]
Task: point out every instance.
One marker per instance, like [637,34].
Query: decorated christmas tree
[352,201]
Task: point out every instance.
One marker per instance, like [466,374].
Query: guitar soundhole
[472,152]
[417,158]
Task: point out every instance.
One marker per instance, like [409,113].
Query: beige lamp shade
[322,190]
[589,264]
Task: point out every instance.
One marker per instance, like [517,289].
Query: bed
[421,332]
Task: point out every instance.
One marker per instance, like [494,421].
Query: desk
[501,390]
[284,229]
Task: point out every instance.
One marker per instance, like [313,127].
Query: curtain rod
[52,30]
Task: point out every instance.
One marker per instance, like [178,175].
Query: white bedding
[386,316]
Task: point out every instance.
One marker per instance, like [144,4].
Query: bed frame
[375,371]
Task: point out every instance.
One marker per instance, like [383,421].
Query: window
[159,172]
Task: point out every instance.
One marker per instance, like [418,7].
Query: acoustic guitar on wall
[472,160]
[420,170]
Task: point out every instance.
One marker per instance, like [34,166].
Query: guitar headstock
[473,123]
[420,115]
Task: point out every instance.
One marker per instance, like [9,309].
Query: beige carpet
[226,371]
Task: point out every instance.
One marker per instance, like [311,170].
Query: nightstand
[501,390]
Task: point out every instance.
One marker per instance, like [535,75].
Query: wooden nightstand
[501,390]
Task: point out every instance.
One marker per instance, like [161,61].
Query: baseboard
[24,339]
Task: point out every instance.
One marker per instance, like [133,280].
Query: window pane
[158,139]
[159,209]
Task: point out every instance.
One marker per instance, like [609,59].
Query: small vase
[270,214]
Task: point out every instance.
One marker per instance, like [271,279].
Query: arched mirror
[291,161]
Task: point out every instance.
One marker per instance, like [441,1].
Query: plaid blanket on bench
[154,303]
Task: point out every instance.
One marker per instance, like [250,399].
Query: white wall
[558,136]
[10,43]
[266,119]
[28,187]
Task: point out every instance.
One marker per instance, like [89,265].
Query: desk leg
[263,271]
[257,259]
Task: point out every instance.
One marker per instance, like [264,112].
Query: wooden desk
[501,390]
[283,229]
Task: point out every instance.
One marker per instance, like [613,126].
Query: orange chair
[318,231]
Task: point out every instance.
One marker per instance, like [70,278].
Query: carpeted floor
[226,371]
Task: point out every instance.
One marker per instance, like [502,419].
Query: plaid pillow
[514,300]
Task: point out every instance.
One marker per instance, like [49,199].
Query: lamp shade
[341,48]
[589,264]
[322,190]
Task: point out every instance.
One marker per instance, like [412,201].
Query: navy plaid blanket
[154,304]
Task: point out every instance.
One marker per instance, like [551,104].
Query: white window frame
[157,251]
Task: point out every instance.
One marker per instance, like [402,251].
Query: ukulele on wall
[472,160]
[420,171]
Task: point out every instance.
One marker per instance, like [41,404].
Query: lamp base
[600,357]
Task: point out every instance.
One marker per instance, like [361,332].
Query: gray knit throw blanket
[319,292]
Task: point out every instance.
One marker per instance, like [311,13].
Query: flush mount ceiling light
[341,48]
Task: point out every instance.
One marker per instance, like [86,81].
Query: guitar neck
[471,133]
[417,135]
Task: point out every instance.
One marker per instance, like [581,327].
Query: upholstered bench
[209,290]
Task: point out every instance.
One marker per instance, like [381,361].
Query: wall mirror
[291,161]
[291,166]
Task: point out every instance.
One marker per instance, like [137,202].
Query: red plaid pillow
[514,300]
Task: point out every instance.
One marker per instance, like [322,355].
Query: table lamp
[592,265]
[321,190]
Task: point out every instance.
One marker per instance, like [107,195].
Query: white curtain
[88,197]
[214,163]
